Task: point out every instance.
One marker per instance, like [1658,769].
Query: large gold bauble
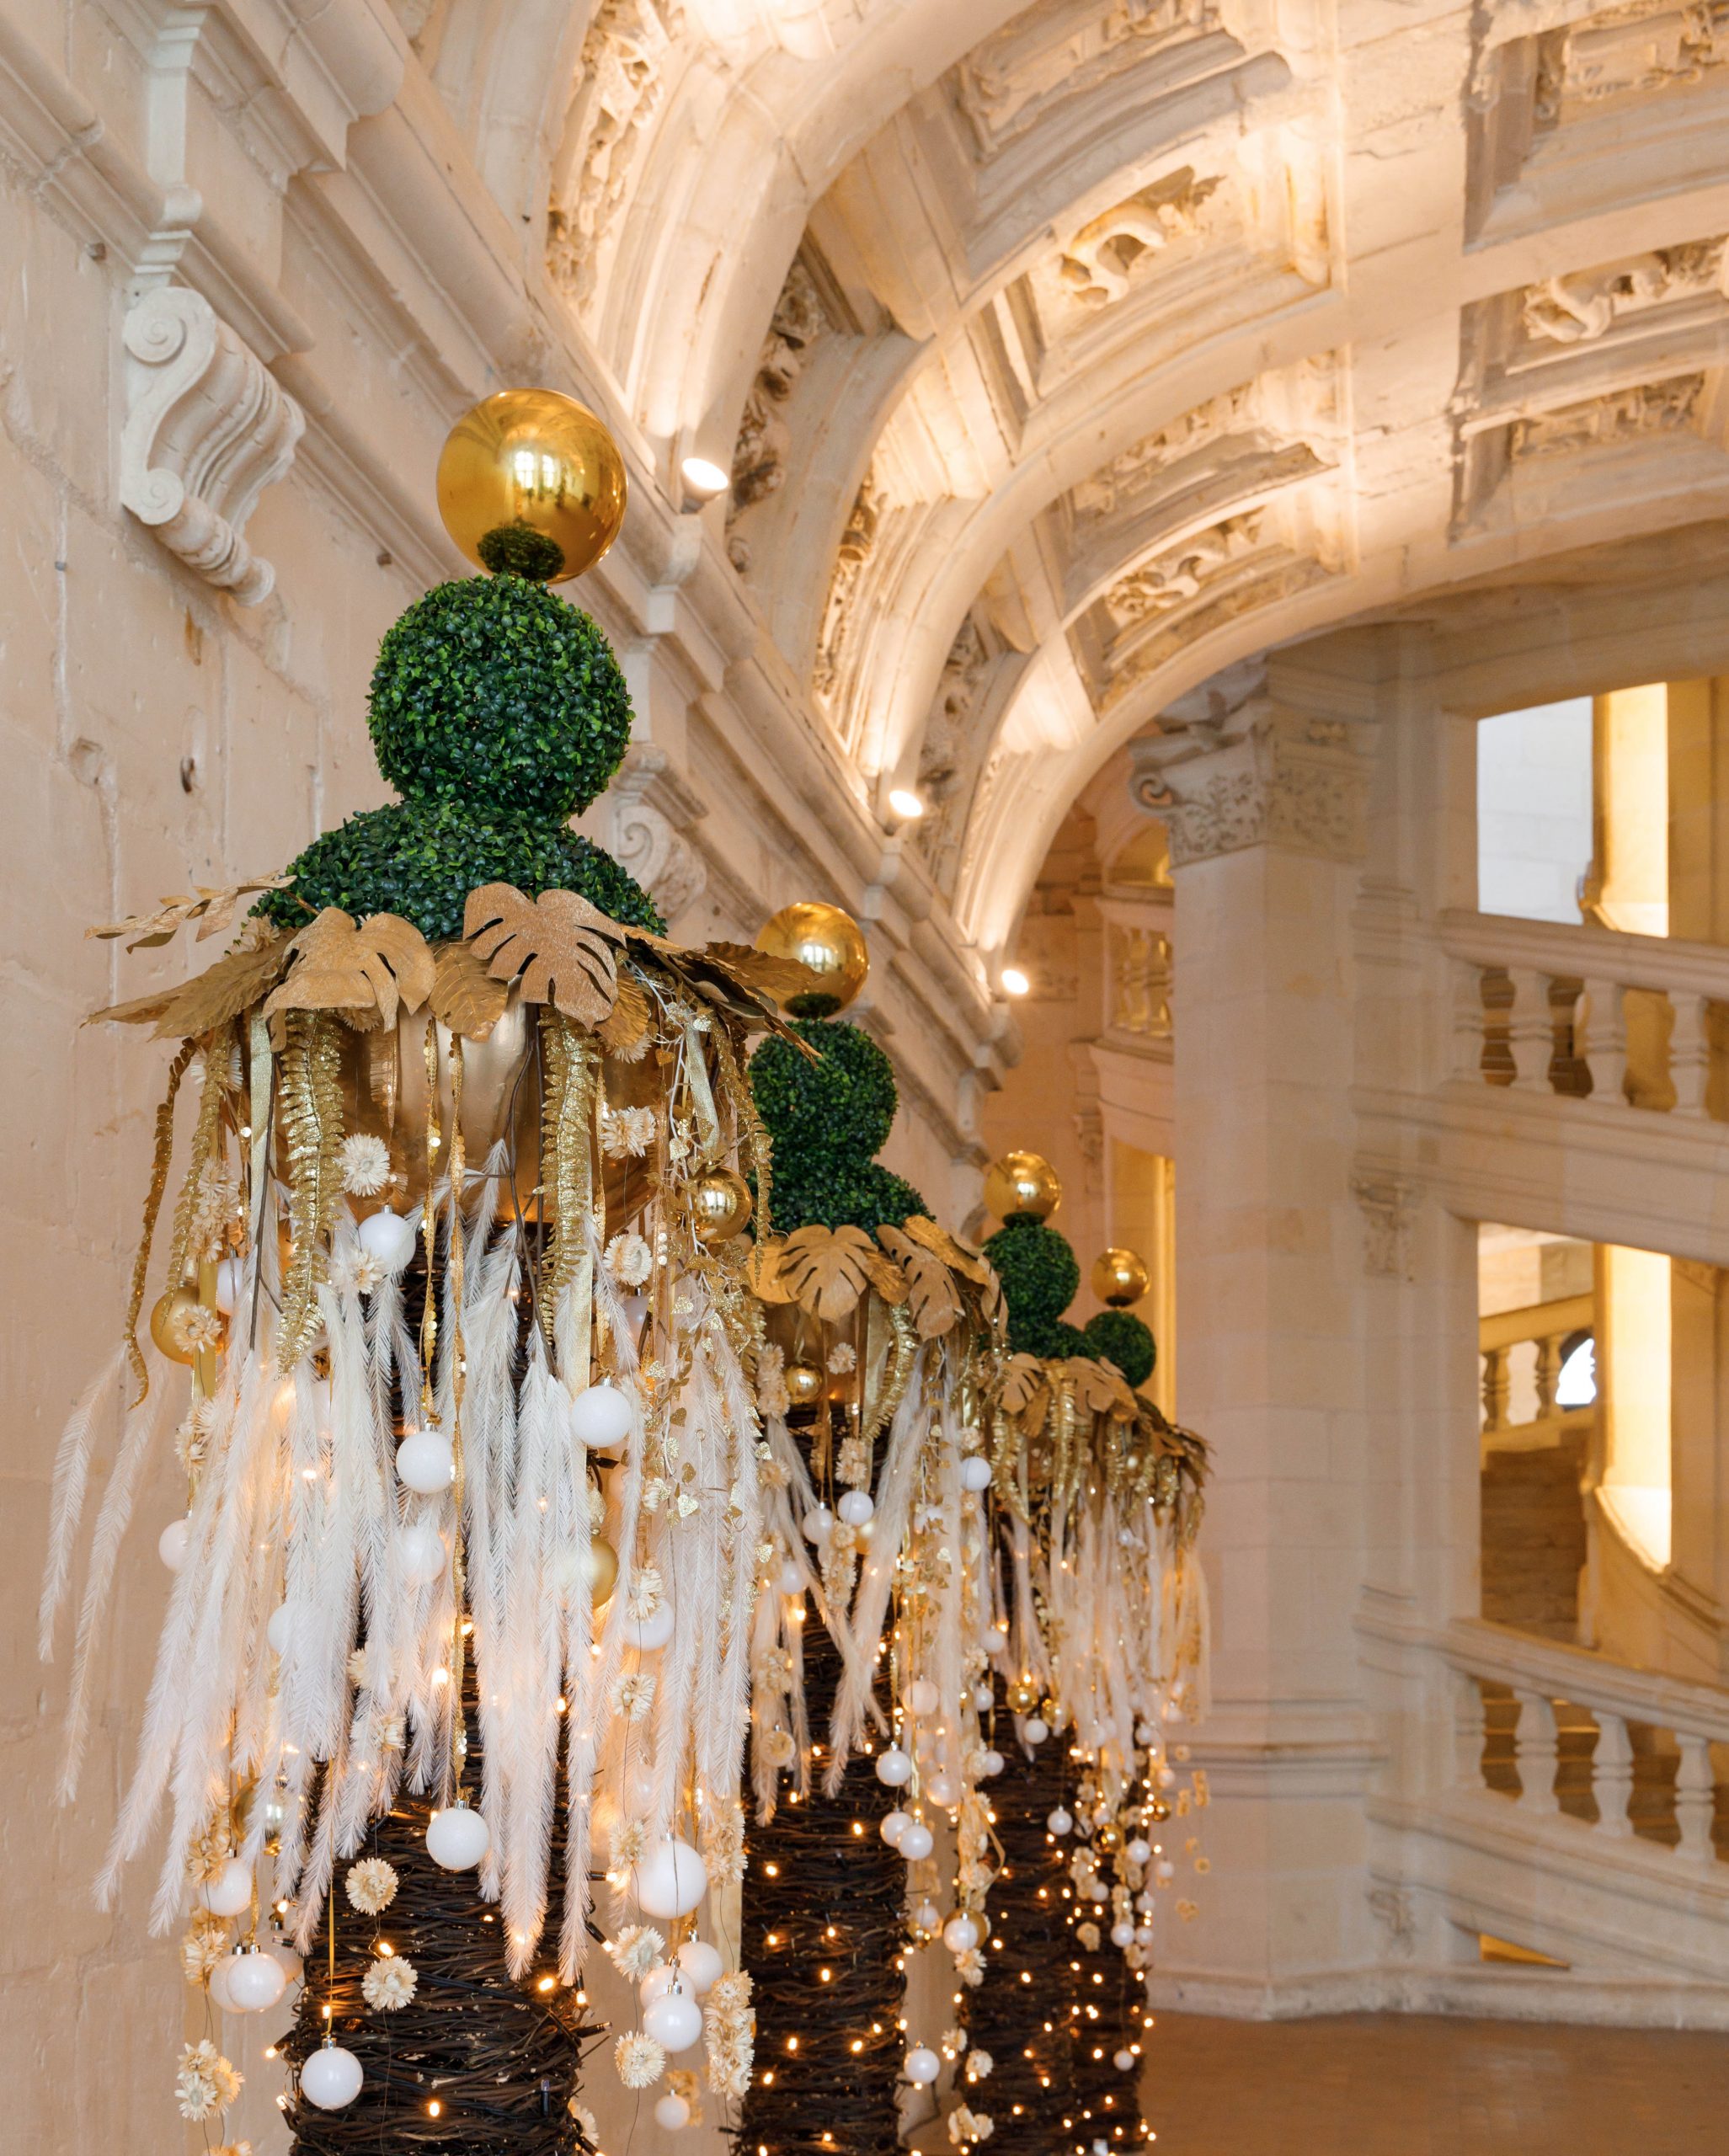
[805,1383]
[720,1205]
[1022,1185]
[827,941]
[167,1324]
[1023,1696]
[533,458]
[603,1571]
[1107,1838]
[1119,1277]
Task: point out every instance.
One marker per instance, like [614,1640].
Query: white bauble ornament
[331,2078]
[894,1825]
[217,1984]
[922,1696]
[975,1472]
[1145,1903]
[982,1697]
[1060,1821]
[818,1525]
[675,2021]
[253,1981]
[426,1463]
[792,1579]
[916,1841]
[228,1273]
[1138,1851]
[1122,1933]
[944,1790]
[456,1838]
[960,1933]
[1167,1777]
[659,1980]
[389,1238]
[701,1963]
[857,1506]
[287,1960]
[1146,1734]
[1164,1869]
[174,1543]
[420,1553]
[1035,1729]
[893,1767]
[649,1635]
[671,2112]
[600,1417]
[281,1626]
[1123,2061]
[1143,1935]
[926,1917]
[922,2066]
[228,1890]
[993,1761]
[671,1879]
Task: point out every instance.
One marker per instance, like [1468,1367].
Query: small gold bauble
[167,1324]
[1108,1837]
[603,1570]
[720,1205]
[526,467]
[827,943]
[1158,1810]
[805,1383]
[1119,1277]
[1022,1185]
[1023,1696]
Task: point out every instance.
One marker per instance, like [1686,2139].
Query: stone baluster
[1695,1797]
[1612,1773]
[1468,1020]
[1548,1374]
[1496,1385]
[1605,1046]
[1530,1029]
[1535,1746]
[1690,1054]
[1467,1731]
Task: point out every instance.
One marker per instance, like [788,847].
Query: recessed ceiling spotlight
[1014,981]
[703,480]
[906,803]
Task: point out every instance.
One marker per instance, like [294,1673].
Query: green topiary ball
[493,693]
[839,1194]
[421,860]
[832,1113]
[1119,1336]
[1039,1277]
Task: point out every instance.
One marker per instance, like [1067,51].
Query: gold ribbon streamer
[312,1117]
[160,1161]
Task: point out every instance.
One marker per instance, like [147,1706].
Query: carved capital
[1258,776]
[207,430]
[1389,1208]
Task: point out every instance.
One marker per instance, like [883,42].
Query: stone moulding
[207,430]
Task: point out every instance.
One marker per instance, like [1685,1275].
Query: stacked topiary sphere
[498,711]
[1040,1278]
[827,1121]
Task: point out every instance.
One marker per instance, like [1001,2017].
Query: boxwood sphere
[1119,1336]
[421,860]
[831,1113]
[1039,1277]
[839,1194]
[493,692]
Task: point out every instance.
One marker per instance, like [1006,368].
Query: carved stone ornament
[207,429]
[1261,776]
[1389,1209]
[642,837]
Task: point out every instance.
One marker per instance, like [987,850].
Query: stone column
[1268,809]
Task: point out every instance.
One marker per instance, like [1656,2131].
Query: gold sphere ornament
[720,1205]
[173,1326]
[827,943]
[1023,1696]
[603,1571]
[805,1383]
[1022,1185]
[1108,1837]
[1119,1277]
[531,481]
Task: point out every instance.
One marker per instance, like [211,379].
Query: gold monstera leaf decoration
[364,971]
[560,949]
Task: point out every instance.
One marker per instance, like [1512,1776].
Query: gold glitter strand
[159,1164]
[459,1734]
[312,1118]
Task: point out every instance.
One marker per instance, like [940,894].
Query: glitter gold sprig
[311,1120]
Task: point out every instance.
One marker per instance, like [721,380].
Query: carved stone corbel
[207,429]
[641,803]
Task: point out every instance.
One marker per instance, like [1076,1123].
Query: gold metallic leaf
[930,1290]
[1099,1388]
[364,971]
[763,1271]
[213,909]
[558,947]
[626,1025]
[958,1255]
[827,1269]
[464,997]
[210,999]
[1025,1392]
[778,978]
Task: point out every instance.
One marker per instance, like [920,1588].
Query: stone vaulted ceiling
[1065,355]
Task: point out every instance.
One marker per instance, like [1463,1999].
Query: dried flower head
[953,2043]
[365,1165]
[201,1328]
[629,1840]
[370,1886]
[633,1695]
[210,1847]
[1088,1934]
[967,2127]
[626,1131]
[639,2061]
[390,1983]
[647,1592]
[629,1260]
[778,1747]
[969,1967]
[723,1844]
[843,1357]
[979,2066]
[586,2121]
[205,2081]
[204,1945]
[636,1951]
[354,1271]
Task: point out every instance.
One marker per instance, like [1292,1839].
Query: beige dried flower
[647,1592]
[979,2066]
[627,1131]
[1088,1934]
[633,1695]
[365,1165]
[206,2083]
[629,1260]
[390,1983]
[640,2060]
[370,1886]
[204,1945]
[636,1951]
[629,1841]
[201,1328]
[843,1357]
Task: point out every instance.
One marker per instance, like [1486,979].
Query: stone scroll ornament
[1098,1500]
[880,1334]
[449,1327]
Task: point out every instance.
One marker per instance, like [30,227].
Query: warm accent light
[905,803]
[1014,981]
[703,478]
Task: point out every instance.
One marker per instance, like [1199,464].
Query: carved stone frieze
[1628,52]
[621,81]
[1138,960]
[1620,416]
[1389,1209]
[1261,775]
[642,804]
[1135,471]
[206,429]
[948,755]
[1183,572]
[857,541]
[1100,261]
[1580,308]
[800,320]
[1046,54]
